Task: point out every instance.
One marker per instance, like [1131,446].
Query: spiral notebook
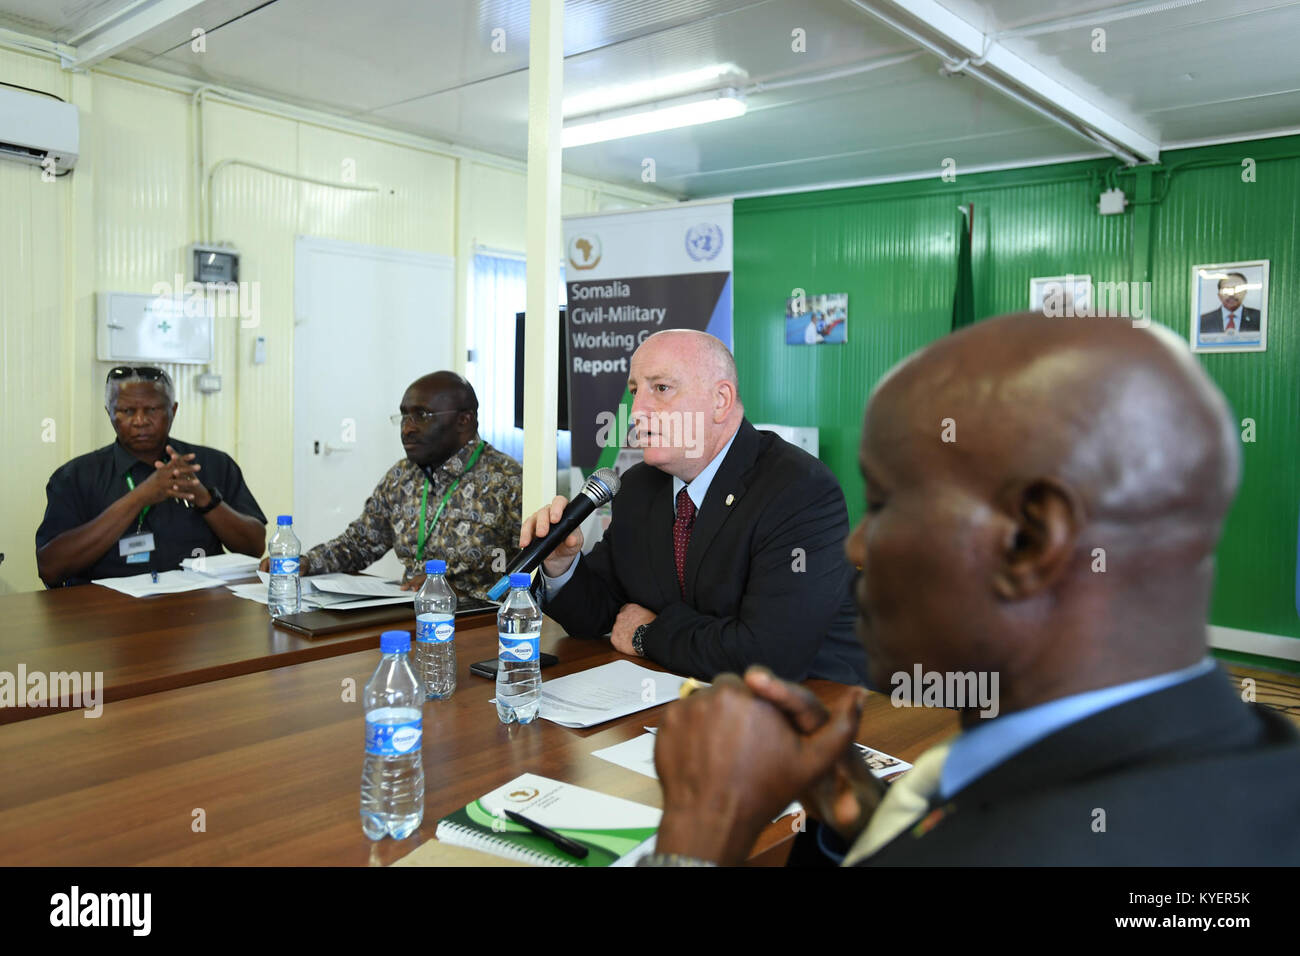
[610,828]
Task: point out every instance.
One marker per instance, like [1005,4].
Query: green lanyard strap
[140,522]
[424,501]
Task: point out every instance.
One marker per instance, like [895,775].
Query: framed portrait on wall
[1230,307]
[1056,296]
[817,319]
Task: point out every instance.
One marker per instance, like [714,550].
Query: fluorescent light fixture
[630,94]
[668,114]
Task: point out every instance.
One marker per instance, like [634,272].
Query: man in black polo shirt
[146,501]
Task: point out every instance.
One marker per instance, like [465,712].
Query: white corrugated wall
[123,221]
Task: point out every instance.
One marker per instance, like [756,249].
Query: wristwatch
[215,492]
[638,640]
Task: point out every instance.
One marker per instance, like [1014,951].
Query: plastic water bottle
[392,780]
[435,633]
[519,665]
[284,592]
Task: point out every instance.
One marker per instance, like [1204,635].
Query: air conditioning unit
[33,127]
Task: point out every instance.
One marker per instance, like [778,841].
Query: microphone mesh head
[602,486]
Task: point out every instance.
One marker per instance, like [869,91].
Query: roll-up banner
[629,275]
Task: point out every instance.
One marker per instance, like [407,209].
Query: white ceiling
[1203,70]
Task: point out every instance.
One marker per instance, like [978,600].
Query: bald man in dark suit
[1115,739]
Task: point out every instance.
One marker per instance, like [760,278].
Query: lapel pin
[730,499]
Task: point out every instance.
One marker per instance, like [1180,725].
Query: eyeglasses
[422,416]
[147,372]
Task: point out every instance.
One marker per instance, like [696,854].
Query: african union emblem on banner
[584,251]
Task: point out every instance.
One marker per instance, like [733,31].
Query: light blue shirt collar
[699,487]
[981,748]
[1238,314]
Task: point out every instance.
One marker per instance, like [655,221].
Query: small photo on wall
[817,319]
[1230,307]
[1057,296]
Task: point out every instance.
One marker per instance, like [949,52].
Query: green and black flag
[963,297]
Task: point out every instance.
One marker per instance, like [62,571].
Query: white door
[367,322]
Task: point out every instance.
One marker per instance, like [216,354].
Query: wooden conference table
[263,767]
[146,645]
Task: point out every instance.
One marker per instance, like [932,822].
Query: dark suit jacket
[766,577]
[1187,776]
[1248,321]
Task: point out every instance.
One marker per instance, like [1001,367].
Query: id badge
[136,547]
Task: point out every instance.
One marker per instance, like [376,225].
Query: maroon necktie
[1232,322]
[682,525]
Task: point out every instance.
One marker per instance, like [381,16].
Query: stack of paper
[603,693]
[228,567]
[166,582]
[639,754]
[337,592]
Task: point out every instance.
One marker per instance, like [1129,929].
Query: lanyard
[139,523]
[424,501]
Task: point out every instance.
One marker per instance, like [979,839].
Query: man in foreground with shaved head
[452,497]
[1064,541]
[724,546]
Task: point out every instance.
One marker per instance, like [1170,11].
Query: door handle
[332,450]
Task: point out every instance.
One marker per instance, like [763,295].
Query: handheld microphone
[600,488]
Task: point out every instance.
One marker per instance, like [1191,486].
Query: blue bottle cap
[284,519]
[395,642]
[520,579]
[436,566]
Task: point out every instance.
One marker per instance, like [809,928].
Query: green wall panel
[892,248]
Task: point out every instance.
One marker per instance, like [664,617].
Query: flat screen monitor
[562,412]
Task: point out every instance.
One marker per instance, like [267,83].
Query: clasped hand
[175,478]
[730,758]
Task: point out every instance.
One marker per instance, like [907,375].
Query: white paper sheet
[359,585]
[169,582]
[603,693]
[636,754]
[252,591]
[315,600]
[880,764]
[223,565]
[353,605]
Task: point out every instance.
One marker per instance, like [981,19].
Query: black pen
[571,847]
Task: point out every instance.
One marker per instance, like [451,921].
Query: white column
[541,386]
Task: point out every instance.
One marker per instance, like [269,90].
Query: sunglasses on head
[147,372]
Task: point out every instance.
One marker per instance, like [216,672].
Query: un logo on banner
[703,241]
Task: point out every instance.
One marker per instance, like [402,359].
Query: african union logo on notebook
[703,241]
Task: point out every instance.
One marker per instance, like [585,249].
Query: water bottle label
[393,740]
[523,649]
[434,630]
[284,565]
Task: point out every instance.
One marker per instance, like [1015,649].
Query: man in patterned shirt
[469,494]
